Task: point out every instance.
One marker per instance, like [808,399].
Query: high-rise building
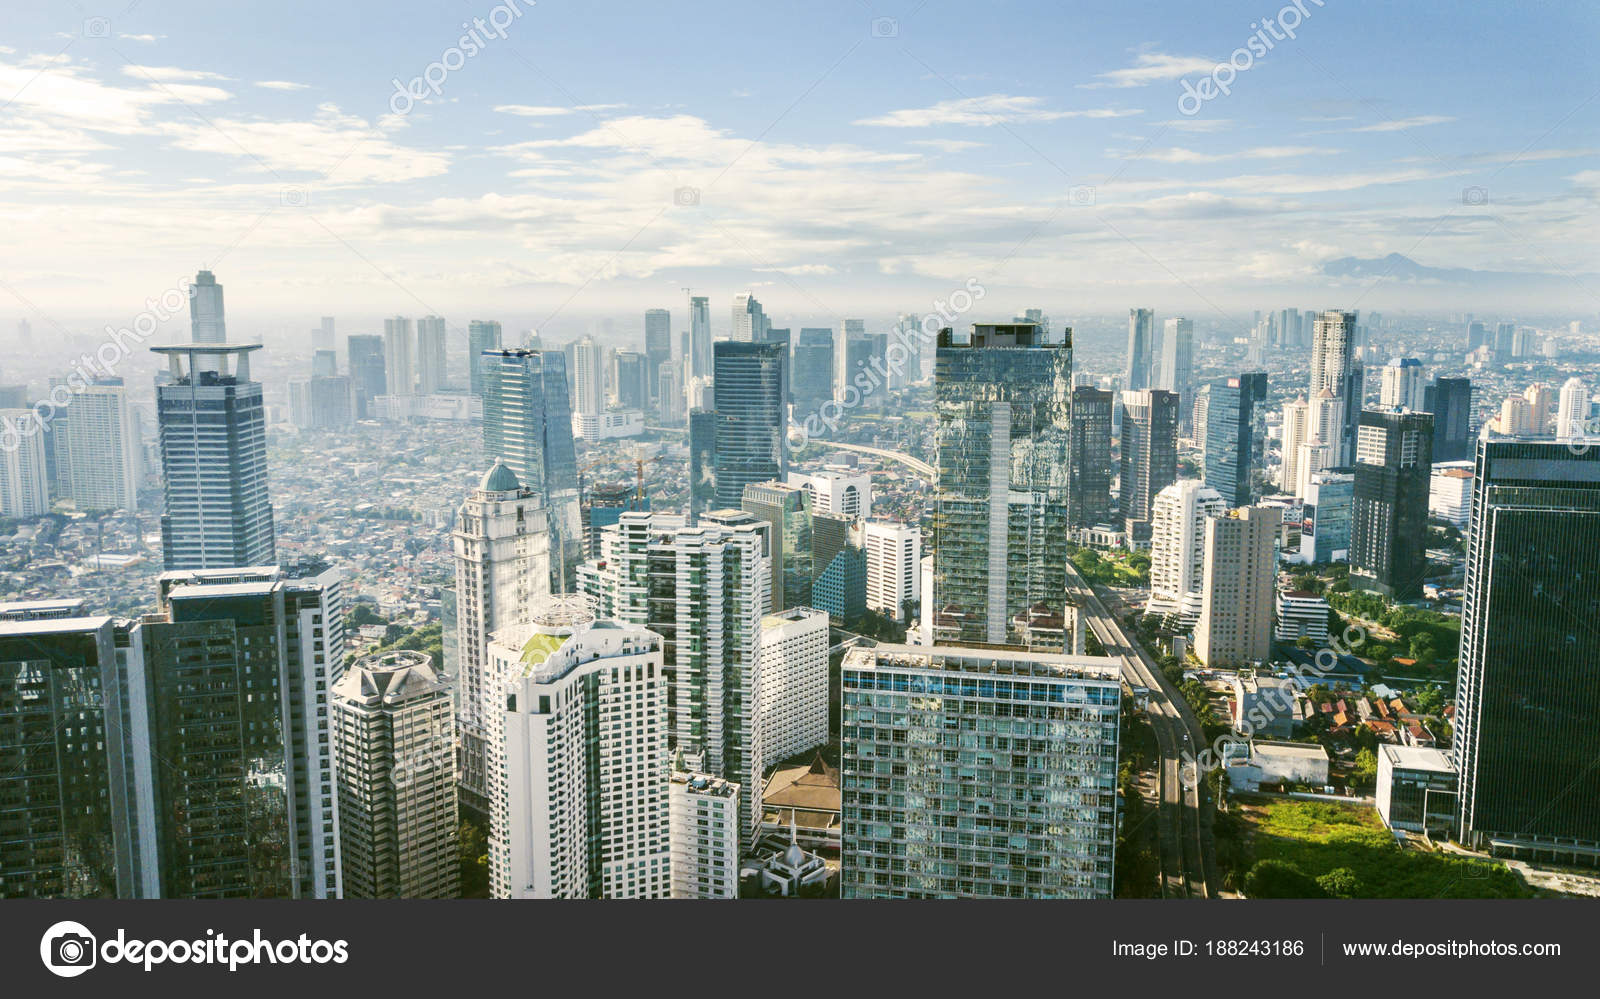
[213,432]
[527,423]
[394,739]
[1148,456]
[207,320]
[482,335]
[502,552]
[24,466]
[749,321]
[1089,493]
[631,391]
[699,340]
[367,371]
[899,803]
[857,384]
[839,566]
[1572,412]
[1178,548]
[604,503]
[811,383]
[1401,384]
[702,462]
[837,490]
[233,680]
[1232,414]
[67,760]
[1003,422]
[1450,402]
[1176,371]
[1528,689]
[794,682]
[750,385]
[1335,367]
[588,377]
[788,509]
[894,551]
[1296,432]
[325,363]
[657,348]
[702,589]
[1477,336]
[579,801]
[1389,517]
[431,357]
[1326,508]
[321,403]
[1238,586]
[399,356]
[1140,374]
[704,830]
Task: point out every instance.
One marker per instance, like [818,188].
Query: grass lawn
[1318,837]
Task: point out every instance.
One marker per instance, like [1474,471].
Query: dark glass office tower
[235,682]
[213,431]
[1089,497]
[365,358]
[1232,412]
[1149,456]
[702,462]
[67,826]
[1389,514]
[861,383]
[1450,402]
[657,347]
[527,423]
[839,567]
[1527,725]
[1002,401]
[812,381]
[482,335]
[750,384]
[631,390]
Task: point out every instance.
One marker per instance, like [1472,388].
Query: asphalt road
[1188,859]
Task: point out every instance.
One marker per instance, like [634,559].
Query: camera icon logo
[96,27]
[295,197]
[1080,195]
[686,197]
[885,27]
[68,949]
[1474,196]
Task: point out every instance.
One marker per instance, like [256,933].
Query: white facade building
[1296,431]
[1239,583]
[593,427]
[502,551]
[1302,615]
[1572,411]
[794,682]
[1401,384]
[399,356]
[578,799]
[1177,546]
[1450,492]
[99,459]
[588,372]
[705,836]
[24,477]
[837,491]
[894,553]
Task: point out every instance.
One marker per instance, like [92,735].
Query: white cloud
[1180,155]
[282,85]
[1197,124]
[141,38]
[1402,124]
[532,111]
[1149,67]
[170,74]
[948,145]
[992,109]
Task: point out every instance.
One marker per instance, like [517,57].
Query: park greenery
[1108,569]
[1315,849]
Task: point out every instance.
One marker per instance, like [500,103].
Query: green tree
[1341,882]
[1279,879]
[1365,773]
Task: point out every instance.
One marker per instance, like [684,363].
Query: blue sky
[843,163]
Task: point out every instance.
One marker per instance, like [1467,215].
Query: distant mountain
[1399,269]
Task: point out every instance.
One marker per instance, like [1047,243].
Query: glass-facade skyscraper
[527,423]
[1002,399]
[811,383]
[750,387]
[482,335]
[213,431]
[1148,456]
[1528,688]
[1089,496]
[1230,442]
